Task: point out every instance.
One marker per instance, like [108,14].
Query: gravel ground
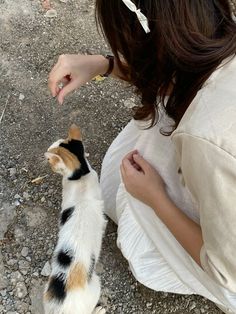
[31,121]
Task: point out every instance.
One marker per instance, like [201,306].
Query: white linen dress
[155,257]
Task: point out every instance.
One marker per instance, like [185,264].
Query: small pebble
[51,13]
[129,103]
[24,251]
[42,199]
[46,271]
[16,277]
[192,306]
[49,252]
[26,195]
[11,262]
[18,232]
[12,171]
[21,97]
[21,290]
[148,305]
[3,293]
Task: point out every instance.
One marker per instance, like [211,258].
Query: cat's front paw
[99,310]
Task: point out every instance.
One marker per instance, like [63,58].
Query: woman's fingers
[141,162]
[71,72]
[130,158]
[66,89]
[54,81]
[52,84]
[58,75]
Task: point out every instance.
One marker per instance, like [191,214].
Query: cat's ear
[74,133]
[53,159]
[62,161]
[56,162]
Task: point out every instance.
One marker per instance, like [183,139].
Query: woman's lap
[111,185]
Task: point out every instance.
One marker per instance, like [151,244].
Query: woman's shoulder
[212,114]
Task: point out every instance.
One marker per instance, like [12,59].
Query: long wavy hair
[189,39]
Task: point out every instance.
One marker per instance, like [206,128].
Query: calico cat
[73,286]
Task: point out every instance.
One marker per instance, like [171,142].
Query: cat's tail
[76,294]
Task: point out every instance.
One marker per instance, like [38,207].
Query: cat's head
[66,156]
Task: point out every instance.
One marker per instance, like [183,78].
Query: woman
[174,202]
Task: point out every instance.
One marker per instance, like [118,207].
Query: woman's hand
[72,71]
[144,183]
[141,180]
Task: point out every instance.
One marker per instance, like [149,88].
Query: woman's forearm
[187,232]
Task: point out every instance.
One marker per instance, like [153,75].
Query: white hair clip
[141,17]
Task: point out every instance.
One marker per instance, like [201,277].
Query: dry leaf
[99,78]
[39,179]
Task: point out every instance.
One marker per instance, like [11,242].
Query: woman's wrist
[164,207]
[102,64]
[110,65]
[158,199]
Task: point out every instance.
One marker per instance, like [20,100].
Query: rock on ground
[7,214]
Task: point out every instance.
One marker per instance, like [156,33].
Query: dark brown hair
[188,40]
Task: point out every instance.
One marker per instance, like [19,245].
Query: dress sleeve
[209,173]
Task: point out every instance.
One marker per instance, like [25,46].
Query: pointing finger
[55,78]
[69,87]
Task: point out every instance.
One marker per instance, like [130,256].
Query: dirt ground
[30,120]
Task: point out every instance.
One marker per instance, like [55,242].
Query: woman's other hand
[72,71]
[141,180]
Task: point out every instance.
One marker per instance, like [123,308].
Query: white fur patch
[56,144]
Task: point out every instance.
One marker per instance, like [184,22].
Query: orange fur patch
[69,159]
[47,296]
[77,277]
[74,133]
[54,160]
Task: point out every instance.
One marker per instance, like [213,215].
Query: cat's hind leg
[95,291]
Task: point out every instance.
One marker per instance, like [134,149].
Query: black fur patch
[57,287]
[66,214]
[91,267]
[64,258]
[76,147]
[77,174]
